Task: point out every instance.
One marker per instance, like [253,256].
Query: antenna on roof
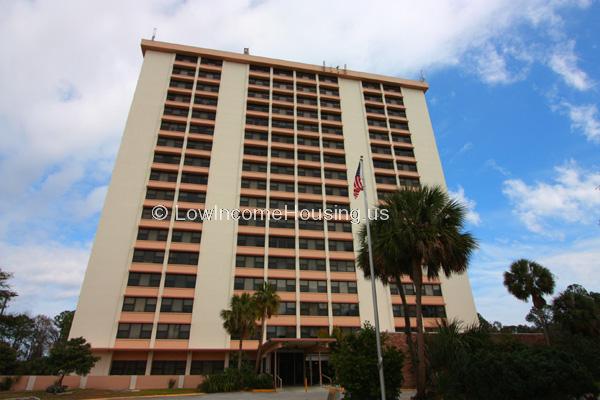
[422,76]
[345,69]
[323,65]
[247,50]
[153,34]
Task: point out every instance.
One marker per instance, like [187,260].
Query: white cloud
[492,65]
[563,61]
[570,198]
[472,215]
[47,276]
[491,163]
[573,262]
[67,77]
[584,118]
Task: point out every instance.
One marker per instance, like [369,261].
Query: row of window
[398,151]
[148,304]
[186,177]
[152,279]
[427,289]
[144,331]
[198,99]
[299,87]
[306,264]
[289,285]
[301,101]
[290,155]
[290,73]
[261,202]
[389,99]
[184,195]
[398,138]
[309,224]
[289,139]
[428,311]
[251,166]
[285,242]
[178,143]
[279,186]
[300,126]
[378,86]
[160,235]
[180,127]
[157,257]
[166,367]
[194,59]
[278,110]
[177,70]
[200,86]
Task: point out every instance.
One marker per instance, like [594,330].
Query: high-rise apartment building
[219,129]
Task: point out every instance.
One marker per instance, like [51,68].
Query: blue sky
[514,102]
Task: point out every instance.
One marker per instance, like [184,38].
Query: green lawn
[80,394]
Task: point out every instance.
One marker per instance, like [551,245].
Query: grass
[82,394]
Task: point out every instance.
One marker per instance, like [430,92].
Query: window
[333,144]
[283,97]
[330,174]
[313,286]
[428,311]
[396,113]
[197,179]
[134,331]
[126,367]
[328,78]
[373,97]
[246,201]
[208,367]
[209,75]
[341,266]
[207,101]
[170,367]
[427,289]
[328,92]
[181,84]
[258,81]
[287,308]
[406,167]
[385,179]
[281,170]
[182,98]
[253,135]
[404,152]
[173,331]
[282,186]
[257,121]
[251,222]
[258,107]
[169,142]
[383,164]
[247,283]
[313,331]
[375,110]
[258,94]
[283,285]
[307,114]
[408,182]
[176,305]
[254,167]
[379,136]
[186,58]
[159,235]
[282,223]
[282,139]
[306,141]
[312,244]
[312,264]
[275,153]
[312,172]
[340,245]
[308,127]
[260,68]
[139,304]
[281,332]
[191,197]
[399,125]
[199,145]
[311,225]
[250,261]
[331,117]
[336,191]
[181,112]
[282,242]
[328,158]
[166,158]
[339,226]
[314,309]
[163,176]
[251,240]
[282,203]
[381,150]
[158,194]
[147,213]
[312,189]
[330,103]
[191,215]
[306,88]
[203,87]
[255,151]
[143,279]
[254,184]
[283,85]
[343,287]
[302,155]
[345,309]
[148,256]
[172,126]
[282,263]
[180,281]
[282,124]
[186,236]
[305,75]
[196,161]
[201,129]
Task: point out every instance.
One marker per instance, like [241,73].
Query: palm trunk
[421,370]
[542,317]
[258,364]
[407,327]
[239,364]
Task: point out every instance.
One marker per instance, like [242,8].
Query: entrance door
[290,368]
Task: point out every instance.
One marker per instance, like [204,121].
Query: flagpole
[373,286]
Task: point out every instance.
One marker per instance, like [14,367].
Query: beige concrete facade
[209,128]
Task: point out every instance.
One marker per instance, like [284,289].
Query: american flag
[358,183]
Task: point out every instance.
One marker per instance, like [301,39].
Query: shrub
[56,388]
[233,379]
[172,383]
[354,360]
[7,383]
[470,366]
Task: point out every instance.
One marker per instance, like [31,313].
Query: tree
[63,322]
[16,330]
[43,336]
[527,279]
[267,302]
[73,356]
[577,311]
[8,359]
[354,360]
[426,238]
[6,294]
[240,319]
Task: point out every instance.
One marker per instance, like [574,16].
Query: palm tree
[267,302]
[527,279]
[240,319]
[425,238]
